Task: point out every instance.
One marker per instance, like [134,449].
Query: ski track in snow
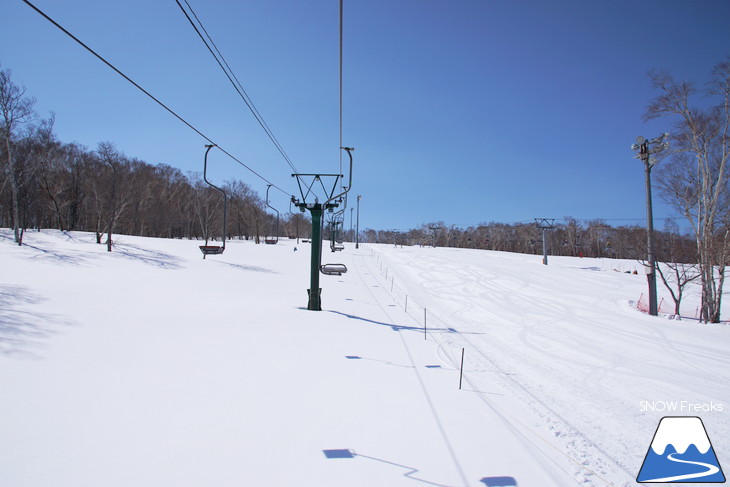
[584,472]
[537,454]
[474,286]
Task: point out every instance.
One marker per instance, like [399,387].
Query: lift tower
[307,184]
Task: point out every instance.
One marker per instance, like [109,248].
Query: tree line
[568,237]
[46,183]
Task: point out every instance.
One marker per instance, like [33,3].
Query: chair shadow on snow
[499,481]
[23,331]
[410,473]
[386,362]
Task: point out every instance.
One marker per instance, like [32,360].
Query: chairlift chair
[335,235]
[214,249]
[333,269]
[211,249]
[275,239]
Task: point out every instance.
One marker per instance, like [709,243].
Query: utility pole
[645,149]
[357,231]
[545,224]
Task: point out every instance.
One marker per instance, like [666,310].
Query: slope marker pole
[461,373]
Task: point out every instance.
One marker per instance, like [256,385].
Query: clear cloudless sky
[461,111]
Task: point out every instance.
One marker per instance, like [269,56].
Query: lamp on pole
[357,230]
[645,149]
[351,219]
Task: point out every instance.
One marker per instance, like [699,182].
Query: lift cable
[341,9]
[218,56]
[43,14]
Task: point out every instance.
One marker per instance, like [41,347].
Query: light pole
[351,210]
[645,149]
[357,230]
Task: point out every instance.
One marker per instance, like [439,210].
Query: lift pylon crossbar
[315,178]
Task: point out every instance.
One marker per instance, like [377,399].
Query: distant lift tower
[433,236]
[545,224]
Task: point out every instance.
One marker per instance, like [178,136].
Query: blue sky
[461,111]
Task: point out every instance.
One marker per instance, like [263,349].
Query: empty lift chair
[214,249]
[332,269]
[337,269]
[275,239]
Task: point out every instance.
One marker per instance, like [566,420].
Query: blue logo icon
[681,452]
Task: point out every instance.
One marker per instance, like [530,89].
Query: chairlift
[275,239]
[335,242]
[214,249]
[338,218]
[333,269]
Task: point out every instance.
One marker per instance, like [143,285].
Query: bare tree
[206,204]
[16,109]
[695,180]
[117,190]
[674,267]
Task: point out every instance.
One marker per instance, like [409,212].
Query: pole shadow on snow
[418,329]
[410,473]
[23,331]
[379,323]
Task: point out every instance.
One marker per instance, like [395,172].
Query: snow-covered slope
[150,366]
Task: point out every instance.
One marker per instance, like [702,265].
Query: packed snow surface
[149,366]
